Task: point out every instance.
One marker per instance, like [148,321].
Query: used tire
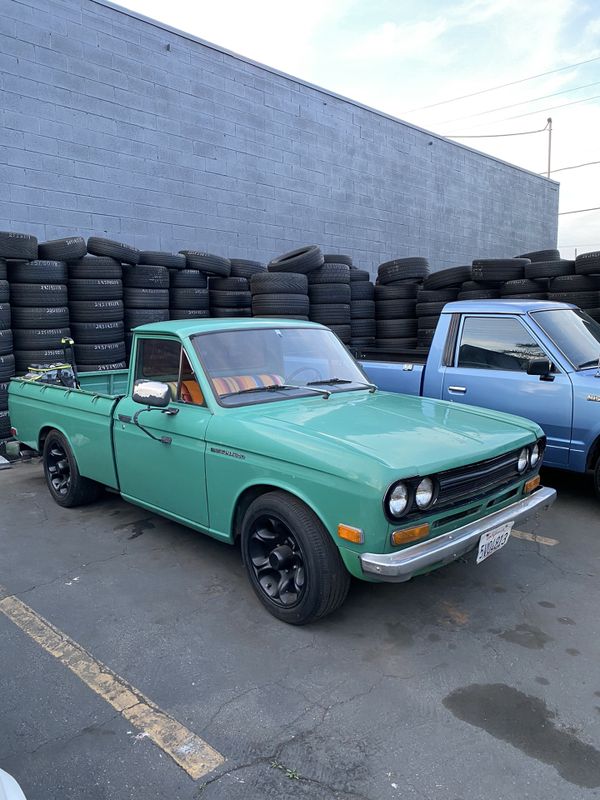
[147,298]
[222,311]
[102,367]
[275,304]
[39,338]
[27,358]
[498,269]
[38,294]
[542,255]
[7,366]
[405,291]
[38,272]
[403,268]
[18,245]
[358,275]
[588,263]
[330,273]
[436,295]
[581,299]
[95,267]
[330,313]
[574,283]
[337,258]
[95,289]
[429,309]
[479,294]
[63,249]
[242,268]
[343,332]
[549,269]
[278,283]
[44,317]
[96,310]
[230,299]
[6,342]
[395,328]
[361,290]
[143,316]
[362,328]
[205,262]
[395,309]
[329,293]
[391,344]
[67,487]
[362,309]
[100,353]
[444,278]
[303,260]
[189,313]
[146,277]
[188,279]
[5,316]
[118,250]
[94,332]
[190,298]
[229,284]
[4,424]
[3,395]
[155,258]
[3,270]
[519,287]
[4,292]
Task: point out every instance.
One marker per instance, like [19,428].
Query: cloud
[392,40]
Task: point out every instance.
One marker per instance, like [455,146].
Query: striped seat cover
[234,383]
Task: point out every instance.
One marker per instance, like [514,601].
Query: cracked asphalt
[473,682]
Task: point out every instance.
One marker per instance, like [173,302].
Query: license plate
[493,540]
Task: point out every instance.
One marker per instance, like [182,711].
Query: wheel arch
[43,435]
[593,453]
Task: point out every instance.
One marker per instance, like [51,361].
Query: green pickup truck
[268,432]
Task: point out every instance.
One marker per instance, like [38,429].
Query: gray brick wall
[114,126]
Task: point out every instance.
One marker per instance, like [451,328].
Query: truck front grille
[477,480]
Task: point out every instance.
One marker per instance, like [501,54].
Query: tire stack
[188,294]
[146,295]
[587,265]
[232,296]
[282,291]
[398,282]
[438,289]
[7,359]
[493,275]
[330,295]
[362,309]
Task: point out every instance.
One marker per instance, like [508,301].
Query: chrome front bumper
[404,564]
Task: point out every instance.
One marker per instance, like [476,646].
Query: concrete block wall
[114,126]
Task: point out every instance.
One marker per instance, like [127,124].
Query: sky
[408,58]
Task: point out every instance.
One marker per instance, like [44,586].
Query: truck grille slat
[476,480]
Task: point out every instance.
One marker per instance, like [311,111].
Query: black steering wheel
[300,370]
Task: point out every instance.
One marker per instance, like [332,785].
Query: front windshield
[574,333]
[260,364]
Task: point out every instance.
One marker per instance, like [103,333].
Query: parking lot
[473,682]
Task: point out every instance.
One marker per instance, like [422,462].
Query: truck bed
[395,371]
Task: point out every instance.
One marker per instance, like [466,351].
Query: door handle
[457,389]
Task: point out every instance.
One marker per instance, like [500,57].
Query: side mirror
[151,393]
[539,366]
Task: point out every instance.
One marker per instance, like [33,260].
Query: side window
[501,343]
[164,360]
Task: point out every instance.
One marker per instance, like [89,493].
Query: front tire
[67,487]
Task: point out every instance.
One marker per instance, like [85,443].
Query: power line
[496,135]
[579,211]
[503,85]
[574,166]
[550,108]
[522,103]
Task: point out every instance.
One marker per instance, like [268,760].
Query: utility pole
[549,121]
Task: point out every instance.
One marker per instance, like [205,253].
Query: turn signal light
[351,534]
[532,484]
[410,534]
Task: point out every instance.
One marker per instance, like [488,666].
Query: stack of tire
[330,295]
[190,295]
[39,302]
[501,277]
[580,287]
[587,266]
[7,359]
[232,296]
[438,289]
[146,289]
[282,291]
[398,282]
[362,309]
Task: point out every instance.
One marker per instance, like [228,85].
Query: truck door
[168,477]
[489,369]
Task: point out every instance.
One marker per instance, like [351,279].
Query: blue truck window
[500,343]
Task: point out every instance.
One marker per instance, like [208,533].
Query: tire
[429,323]
[229,285]
[97,332]
[230,299]
[6,342]
[189,313]
[444,278]
[549,269]
[96,310]
[147,298]
[480,294]
[18,245]
[527,296]
[78,490]
[278,283]
[574,283]
[326,581]
[100,353]
[102,367]
[336,258]
[146,277]
[63,249]
[395,328]
[362,328]
[329,293]
[95,267]
[7,366]
[359,275]
[188,279]
[155,258]
[429,309]
[38,294]
[396,343]
[498,269]
[302,317]
[38,272]
[330,273]
[107,247]
[4,292]
[26,358]
[581,299]
[143,316]
[241,268]
[406,291]
[4,424]
[39,338]
[190,298]
[330,313]
[231,312]
[3,270]
[205,262]
[519,287]
[588,263]
[475,286]
[4,395]
[303,260]
[362,309]
[542,255]
[45,317]
[5,316]
[275,304]
[362,290]
[395,309]
[95,289]
[343,332]
[436,295]
[402,269]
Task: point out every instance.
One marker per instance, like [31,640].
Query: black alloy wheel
[67,487]
[277,561]
[58,469]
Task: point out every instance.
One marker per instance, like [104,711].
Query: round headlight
[535,454]
[424,493]
[523,461]
[398,499]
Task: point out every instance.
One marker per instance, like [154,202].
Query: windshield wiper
[328,381]
[273,387]
[593,362]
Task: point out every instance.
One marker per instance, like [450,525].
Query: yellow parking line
[530,537]
[191,752]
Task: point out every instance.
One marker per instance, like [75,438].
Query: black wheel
[294,566]
[67,487]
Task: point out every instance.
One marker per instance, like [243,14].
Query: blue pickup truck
[536,359]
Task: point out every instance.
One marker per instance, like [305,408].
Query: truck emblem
[595,398]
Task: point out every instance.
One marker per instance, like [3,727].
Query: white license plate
[493,540]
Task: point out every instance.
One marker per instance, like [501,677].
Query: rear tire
[276,529]
[67,487]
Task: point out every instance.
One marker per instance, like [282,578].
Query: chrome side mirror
[151,393]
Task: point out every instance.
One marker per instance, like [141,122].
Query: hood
[407,435]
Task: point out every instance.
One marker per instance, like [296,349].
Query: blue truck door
[489,369]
